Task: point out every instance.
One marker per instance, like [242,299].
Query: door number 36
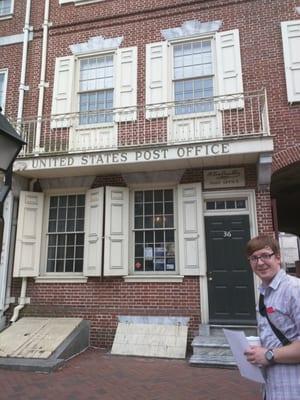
[227,234]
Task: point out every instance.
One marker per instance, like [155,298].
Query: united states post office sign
[224,178]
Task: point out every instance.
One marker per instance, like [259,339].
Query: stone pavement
[97,375]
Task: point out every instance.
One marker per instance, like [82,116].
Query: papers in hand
[239,344]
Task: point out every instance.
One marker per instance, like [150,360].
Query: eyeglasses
[264,257]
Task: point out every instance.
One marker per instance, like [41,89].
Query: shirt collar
[278,278]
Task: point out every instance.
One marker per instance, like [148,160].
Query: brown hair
[260,242]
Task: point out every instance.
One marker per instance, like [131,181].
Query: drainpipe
[22,299]
[13,231]
[43,84]
[23,87]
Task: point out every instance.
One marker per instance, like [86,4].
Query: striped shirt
[282,301]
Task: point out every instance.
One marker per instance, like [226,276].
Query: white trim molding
[96,44]
[191,28]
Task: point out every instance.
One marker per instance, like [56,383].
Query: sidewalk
[97,375]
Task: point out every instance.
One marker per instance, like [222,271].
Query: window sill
[204,114]
[155,278]
[61,279]
[6,16]
[100,125]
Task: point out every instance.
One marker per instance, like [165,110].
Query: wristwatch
[269,356]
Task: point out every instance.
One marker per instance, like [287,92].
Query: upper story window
[193,76]
[290,31]
[3,82]
[66,234]
[6,7]
[96,91]
[96,78]
[195,66]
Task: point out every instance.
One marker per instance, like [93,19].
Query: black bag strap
[263,312]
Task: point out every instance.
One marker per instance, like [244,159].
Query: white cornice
[191,28]
[95,44]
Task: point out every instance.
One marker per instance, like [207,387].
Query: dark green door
[230,280]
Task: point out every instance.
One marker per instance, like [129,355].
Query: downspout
[22,299]
[43,84]
[13,231]
[23,87]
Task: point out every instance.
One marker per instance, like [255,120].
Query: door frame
[249,195]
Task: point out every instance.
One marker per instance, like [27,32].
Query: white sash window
[3,84]
[290,31]
[193,76]
[65,249]
[154,231]
[6,7]
[96,89]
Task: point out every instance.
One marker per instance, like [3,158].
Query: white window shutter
[291,50]
[93,232]
[126,84]
[62,92]
[116,231]
[190,228]
[156,79]
[29,234]
[229,69]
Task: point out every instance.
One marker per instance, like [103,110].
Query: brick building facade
[151,131]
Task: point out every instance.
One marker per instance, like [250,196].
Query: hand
[256,356]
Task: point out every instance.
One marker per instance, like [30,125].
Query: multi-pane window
[66,233]
[3,75]
[193,77]
[5,7]
[154,231]
[96,90]
[225,204]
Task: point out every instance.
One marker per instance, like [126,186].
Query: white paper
[239,344]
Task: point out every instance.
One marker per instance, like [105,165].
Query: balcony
[214,119]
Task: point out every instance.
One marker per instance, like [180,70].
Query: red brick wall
[140,22]
[258,22]
[101,301]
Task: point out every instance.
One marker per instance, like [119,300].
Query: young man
[282,301]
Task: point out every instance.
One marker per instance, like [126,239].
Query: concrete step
[217,330]
[211,348]
[212,361]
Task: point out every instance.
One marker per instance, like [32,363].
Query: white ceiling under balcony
[217,153]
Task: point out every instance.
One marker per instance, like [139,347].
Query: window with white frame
[94,85]
[3,82]
[154,231]
[65,234]
[205,62]
[193,76]
[290,31]
[5,7]
[96,91]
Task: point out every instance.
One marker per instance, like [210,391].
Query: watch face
[269,355]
